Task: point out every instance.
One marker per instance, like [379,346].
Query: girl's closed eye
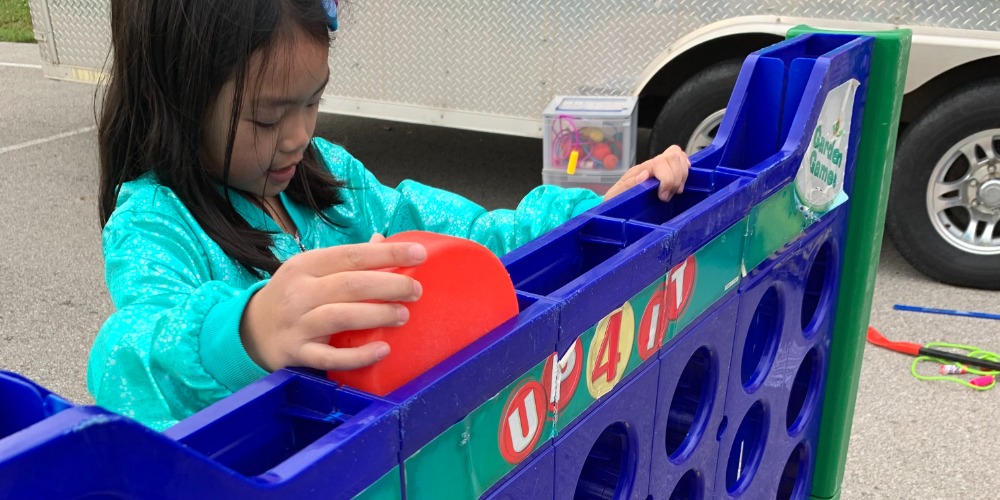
[264,124]
[265,119]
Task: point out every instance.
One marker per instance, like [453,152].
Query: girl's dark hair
[171,59]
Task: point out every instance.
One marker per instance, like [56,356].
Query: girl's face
[277,118]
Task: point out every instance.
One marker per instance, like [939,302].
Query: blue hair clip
[330,6]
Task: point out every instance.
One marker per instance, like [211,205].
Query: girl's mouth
[282,175]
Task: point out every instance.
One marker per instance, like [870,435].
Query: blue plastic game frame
[723,402]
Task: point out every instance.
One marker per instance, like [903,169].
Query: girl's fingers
[324,357]
[358,286]
[334,318]
[685,170]
[376,238]
[669,167]
[358,257]
[627,180]
[641,177]
[668,183]
[672,170]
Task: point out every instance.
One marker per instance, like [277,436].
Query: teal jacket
[173,345]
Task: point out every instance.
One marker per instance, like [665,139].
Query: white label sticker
[594,104]
[820,180]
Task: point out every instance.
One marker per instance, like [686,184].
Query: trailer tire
[691,116]
[943,201]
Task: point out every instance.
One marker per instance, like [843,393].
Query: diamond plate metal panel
[636,32]
[82,31]
[508,58]
[450,54]
[485,59]
[42,27]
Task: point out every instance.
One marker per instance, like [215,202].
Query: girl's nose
[296,135]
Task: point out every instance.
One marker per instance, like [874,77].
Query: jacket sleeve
[415,206]
[172,347]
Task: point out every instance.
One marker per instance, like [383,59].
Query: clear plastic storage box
[588,141]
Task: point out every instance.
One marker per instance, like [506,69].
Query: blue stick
[949,312]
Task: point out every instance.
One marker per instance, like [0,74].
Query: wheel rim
[704,133]
[963,194]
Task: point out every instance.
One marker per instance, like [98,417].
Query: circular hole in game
[608,471]
[816,296]
[804,395]
[691,405]
[688,488]
[747,449]
[761,340]
[792,484]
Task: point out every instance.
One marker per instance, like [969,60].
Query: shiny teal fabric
[173,347]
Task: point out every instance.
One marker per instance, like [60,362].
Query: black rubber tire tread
[971,109]
[703,94]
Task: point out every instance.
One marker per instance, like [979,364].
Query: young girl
[235,243]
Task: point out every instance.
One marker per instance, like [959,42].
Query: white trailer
[493,66]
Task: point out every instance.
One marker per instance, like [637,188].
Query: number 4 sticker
[610,351]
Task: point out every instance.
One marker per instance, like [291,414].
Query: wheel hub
[989,194]
[963,195]
[704,133]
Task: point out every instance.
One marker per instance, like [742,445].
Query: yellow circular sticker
[610,350]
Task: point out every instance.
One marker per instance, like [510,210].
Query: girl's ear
[331,13]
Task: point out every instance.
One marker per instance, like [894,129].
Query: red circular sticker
[653,327]
[522,421]
[570,367]
[680,283]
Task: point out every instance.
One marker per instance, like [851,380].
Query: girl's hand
[670,167]
[322,292]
